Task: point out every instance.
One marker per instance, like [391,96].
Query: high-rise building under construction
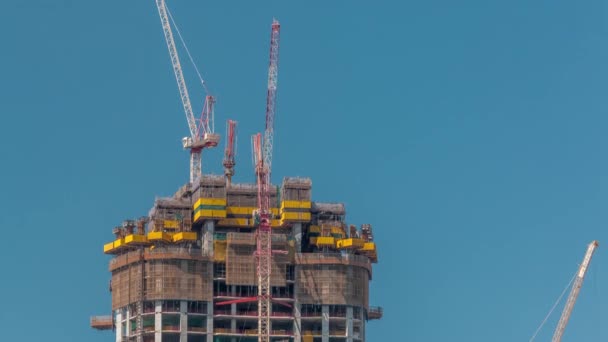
[229,262]
[187,271]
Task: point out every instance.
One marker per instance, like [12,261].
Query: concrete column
[325,324]
[210,321]
[297,322]
[233,312]
[207,243]
[349,324]
[208,230]
[128,323]
[183,321]
[183,311]
[349,310]
[158,321]
[297,235]
[363,321]
[232,291]
[118,325]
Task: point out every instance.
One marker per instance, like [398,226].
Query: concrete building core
[187,271]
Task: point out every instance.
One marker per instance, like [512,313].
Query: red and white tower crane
[230,151]
[262,158]
[201,130]
[263,168]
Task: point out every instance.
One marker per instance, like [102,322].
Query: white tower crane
[201,132]
[576,288]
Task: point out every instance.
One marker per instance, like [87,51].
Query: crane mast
[230,151]
[271,97]
[263,242]
[201,134]
[262,151]
[576,288]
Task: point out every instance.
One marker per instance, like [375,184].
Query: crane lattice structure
[230,151]
[263,167]
[201,130]
[576,288]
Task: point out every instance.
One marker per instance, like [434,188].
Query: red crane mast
[230,151]
[262,159]
[263,167]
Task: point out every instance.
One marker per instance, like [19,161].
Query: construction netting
[161,273]
[210,186]
[335,280]
[246,195]
[296,189]
[126,285]
[171,210]
[336,209]
[241,266]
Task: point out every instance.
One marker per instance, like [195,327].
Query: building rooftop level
[187,271]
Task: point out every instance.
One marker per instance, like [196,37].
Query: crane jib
[201,135]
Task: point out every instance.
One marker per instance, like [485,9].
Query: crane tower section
[576,288]
[271,98]
[263,167]
[230,151]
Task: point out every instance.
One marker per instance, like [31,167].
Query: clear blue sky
[471,134]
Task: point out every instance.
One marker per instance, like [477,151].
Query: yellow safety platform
[209,201]
[209,214]
[369,247]
[184,237]
[296,205]
[352,243]
[295,211]
[119,244]
[323,241]
[159,236]
[209,208]
[108,248]
[295,216]
[171,224]
[114,247]
[369,250]
[134,239]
